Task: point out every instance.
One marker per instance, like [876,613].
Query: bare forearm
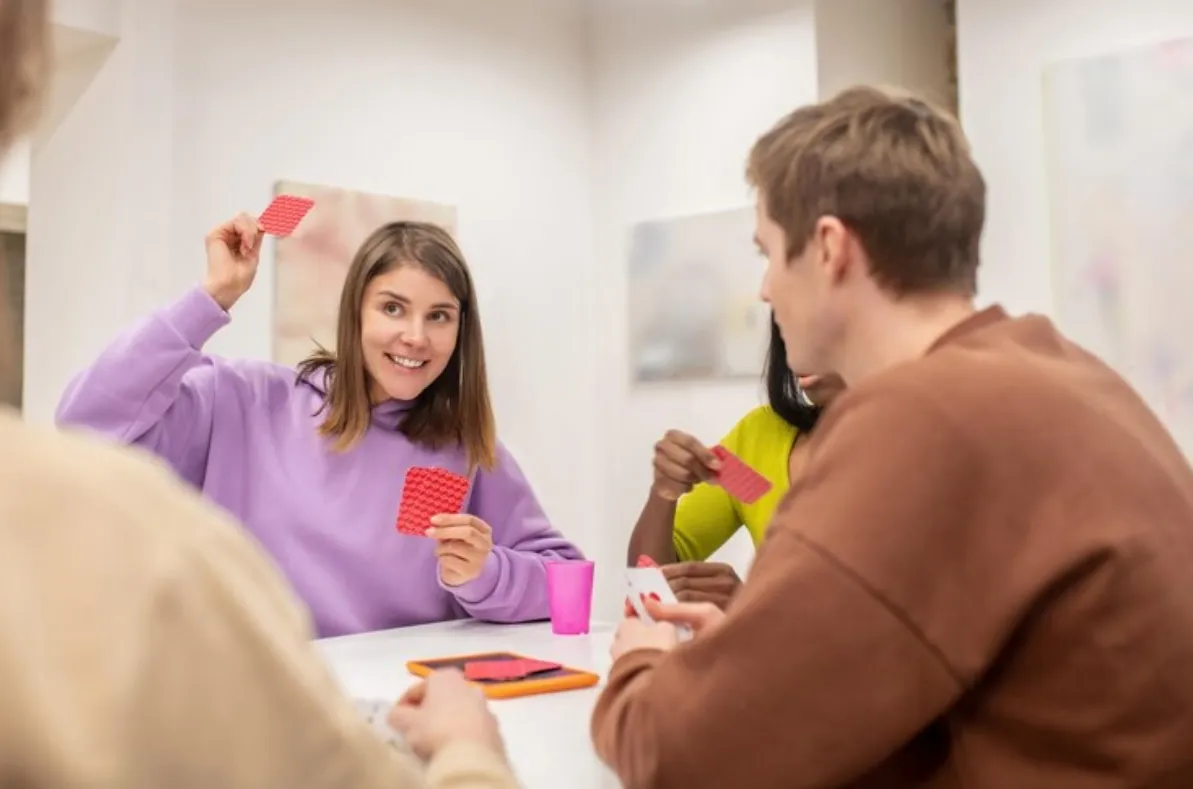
[654,532]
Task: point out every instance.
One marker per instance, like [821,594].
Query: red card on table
[742,482]
[505,670]
[428,492]
[284,214]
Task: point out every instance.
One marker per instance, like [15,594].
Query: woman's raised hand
[233,253]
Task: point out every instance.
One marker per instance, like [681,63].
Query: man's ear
[833,242]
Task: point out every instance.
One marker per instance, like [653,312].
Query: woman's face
[821,389]
[410,322]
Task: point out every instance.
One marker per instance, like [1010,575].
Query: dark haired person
[312,461]
[983,578]
[687,517]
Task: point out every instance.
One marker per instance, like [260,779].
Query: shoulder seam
[894,610]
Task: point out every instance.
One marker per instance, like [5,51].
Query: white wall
[98,224]
[679,100]
[193,118]
[899,43]
[1003,47]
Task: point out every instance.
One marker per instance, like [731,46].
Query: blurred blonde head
[24,67]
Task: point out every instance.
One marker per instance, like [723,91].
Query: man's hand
[702,582]
[633,633]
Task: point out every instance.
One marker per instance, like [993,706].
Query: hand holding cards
[432,500]
[649,583]
[681,461]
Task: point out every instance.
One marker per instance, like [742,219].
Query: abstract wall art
[1119,148]
[311,264]
[694,310]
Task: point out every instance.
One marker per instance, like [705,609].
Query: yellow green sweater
[707,516]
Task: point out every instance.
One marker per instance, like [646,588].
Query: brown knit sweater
[984,581]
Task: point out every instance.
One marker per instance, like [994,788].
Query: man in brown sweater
[985,579]
[145,642]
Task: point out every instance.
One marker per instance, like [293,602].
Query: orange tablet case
[562,678]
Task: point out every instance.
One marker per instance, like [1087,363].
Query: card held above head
[284,213]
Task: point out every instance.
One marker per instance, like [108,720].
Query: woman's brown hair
[455,408]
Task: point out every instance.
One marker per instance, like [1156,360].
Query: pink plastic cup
[569,592]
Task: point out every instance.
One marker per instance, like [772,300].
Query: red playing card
[428,492]
[539,666]
[506,670]
[284,214]
[494,670]
[741,481]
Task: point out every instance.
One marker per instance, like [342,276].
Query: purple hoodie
[244,433]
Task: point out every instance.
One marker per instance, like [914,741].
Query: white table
[546,736]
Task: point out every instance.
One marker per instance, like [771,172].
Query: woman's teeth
[402,361]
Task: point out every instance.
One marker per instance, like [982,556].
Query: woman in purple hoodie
[312,461]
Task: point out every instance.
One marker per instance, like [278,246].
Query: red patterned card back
[284,214]
[506,670]
[428,492]
[738,479]
[493,670]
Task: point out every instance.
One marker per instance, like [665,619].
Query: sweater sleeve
[153,387]
[818,647]
[466,765]
[512,586]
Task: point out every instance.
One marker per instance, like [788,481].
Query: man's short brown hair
[24,65]
[893,168]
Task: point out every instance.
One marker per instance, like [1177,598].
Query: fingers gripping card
[284,214]
[428,492]
[738,479]
[643,561]
[650,583]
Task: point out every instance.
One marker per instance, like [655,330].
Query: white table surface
[546,736]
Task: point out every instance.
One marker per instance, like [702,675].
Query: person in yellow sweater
[687,516]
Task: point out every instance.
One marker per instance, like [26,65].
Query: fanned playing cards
[428,492]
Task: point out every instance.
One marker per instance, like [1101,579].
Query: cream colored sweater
[145,641]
